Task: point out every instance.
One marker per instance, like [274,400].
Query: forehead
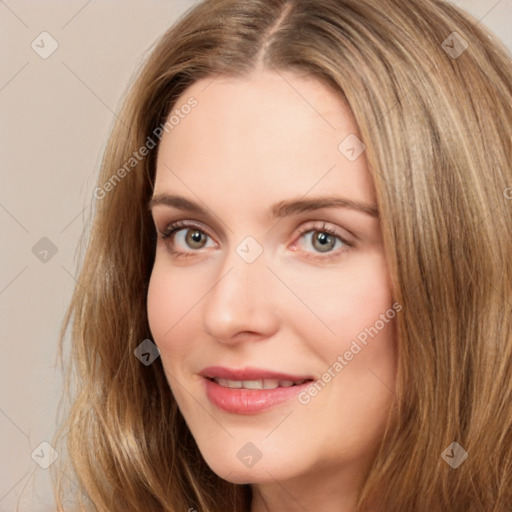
[265,135]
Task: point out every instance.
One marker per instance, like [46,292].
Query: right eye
[185,238]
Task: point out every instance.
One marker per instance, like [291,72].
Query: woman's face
[275,274]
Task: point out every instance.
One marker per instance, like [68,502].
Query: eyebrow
[279,210]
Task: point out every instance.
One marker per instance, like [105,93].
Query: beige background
[56,114]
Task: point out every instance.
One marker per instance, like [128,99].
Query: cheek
[158,303]
[173,325]
[336,305]
[170,305]
[353,337]
[342,302]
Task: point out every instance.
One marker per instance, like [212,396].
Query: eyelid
[324,226]
[209,223]
[177,225]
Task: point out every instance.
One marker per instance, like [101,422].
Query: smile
[250,391]
[258,384]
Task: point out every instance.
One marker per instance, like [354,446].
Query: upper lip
[221,372]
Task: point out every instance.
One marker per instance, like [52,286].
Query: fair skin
[252,143]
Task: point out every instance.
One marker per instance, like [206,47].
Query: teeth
[257,384]
[234,384]
[270,383]
[252,384]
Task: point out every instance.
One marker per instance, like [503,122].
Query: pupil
[326,241]
[194,237]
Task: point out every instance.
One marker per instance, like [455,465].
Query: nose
[242,304]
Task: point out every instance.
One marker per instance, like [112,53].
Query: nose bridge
[241,299]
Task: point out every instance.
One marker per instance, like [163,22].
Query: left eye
[323,241]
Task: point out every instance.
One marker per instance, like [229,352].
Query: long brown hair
[431,92]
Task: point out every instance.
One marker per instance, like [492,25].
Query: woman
[297,289]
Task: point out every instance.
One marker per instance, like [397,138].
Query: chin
[248,476]
[267,469]
[241,478]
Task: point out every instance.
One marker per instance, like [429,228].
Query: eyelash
[167,233]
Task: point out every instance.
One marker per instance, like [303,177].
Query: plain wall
[56,115]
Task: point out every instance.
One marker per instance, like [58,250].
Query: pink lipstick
[250,390]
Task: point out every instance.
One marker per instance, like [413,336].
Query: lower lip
[249,401]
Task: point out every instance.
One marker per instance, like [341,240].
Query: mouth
[250,391]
